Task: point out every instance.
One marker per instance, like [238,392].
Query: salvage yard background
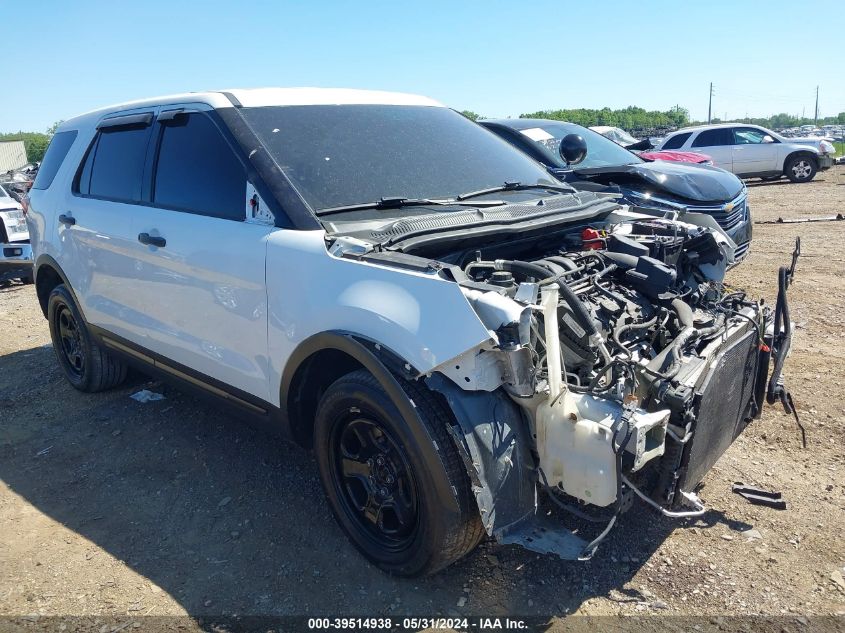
[111,506]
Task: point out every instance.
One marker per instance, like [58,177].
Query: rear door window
[53,158]
[197,170]
[114,166]
[677,141]
[714,138]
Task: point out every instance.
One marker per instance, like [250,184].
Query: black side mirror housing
[573,149]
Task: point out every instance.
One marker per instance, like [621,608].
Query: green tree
[630,118]
[472,116]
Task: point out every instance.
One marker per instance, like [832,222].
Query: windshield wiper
[398,203]
[513,186]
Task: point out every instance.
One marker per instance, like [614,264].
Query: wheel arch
[49,274]
[800,152]
[323,358]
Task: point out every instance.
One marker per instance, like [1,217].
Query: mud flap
[493,438]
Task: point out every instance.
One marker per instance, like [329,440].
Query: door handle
[151,240]
[67,219]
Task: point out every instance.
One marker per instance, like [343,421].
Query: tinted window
[197,170]
[338,155]
[56,152]
[677,141]
[118,164]
[714,138]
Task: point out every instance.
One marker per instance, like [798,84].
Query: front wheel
[395,482]
[801,169]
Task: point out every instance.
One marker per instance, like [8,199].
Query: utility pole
[816,117]
[710,105]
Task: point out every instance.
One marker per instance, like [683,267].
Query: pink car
[678,157]
[642,147]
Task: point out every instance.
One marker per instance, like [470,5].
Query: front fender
[425,319]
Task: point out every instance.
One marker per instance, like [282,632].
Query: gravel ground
[113,507]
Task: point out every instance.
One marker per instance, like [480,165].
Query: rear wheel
[801,168]
[86,365]
[397,486]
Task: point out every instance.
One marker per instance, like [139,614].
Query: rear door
[201,259]
[718,144]
[94,228]
[754,151]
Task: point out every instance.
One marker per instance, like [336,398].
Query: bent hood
[697,183]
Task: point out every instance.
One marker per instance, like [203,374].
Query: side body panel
[722,155]
[201,300]
[755,158]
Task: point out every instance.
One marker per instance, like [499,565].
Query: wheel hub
[375,481]
[71,341]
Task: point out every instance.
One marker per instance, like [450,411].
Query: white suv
[449,328]
[751,151]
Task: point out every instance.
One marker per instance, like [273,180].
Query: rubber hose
[579,311]
[618,332]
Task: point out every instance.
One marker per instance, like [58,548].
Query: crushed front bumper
[826,161]
[15,260]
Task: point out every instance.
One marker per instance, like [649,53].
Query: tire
[86,365]
[382,483]
[801,168]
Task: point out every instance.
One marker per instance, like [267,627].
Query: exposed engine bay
[618,364]
[635,365]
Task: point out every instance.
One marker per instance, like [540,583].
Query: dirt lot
[110,506]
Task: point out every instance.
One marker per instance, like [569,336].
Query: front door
[202,262]
[754,151]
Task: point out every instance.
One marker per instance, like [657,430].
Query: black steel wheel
[71,347]
[373,480]
[392,474]
[86,365]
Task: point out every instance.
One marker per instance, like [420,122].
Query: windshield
[3,193]
[620,136]
[601,152]
[337,155]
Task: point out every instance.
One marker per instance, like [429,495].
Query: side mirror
[768,139]
[573,149]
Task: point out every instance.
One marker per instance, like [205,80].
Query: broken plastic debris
[145,395]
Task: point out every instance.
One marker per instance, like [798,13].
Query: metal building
[12,155]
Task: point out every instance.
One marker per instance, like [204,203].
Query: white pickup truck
[15,251]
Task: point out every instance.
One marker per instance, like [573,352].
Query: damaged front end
[618,365]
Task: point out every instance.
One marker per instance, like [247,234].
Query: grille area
[727,219]
[722,404]
[741,250]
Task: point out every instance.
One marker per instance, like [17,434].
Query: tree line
[635,118]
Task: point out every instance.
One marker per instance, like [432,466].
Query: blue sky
[496,58]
